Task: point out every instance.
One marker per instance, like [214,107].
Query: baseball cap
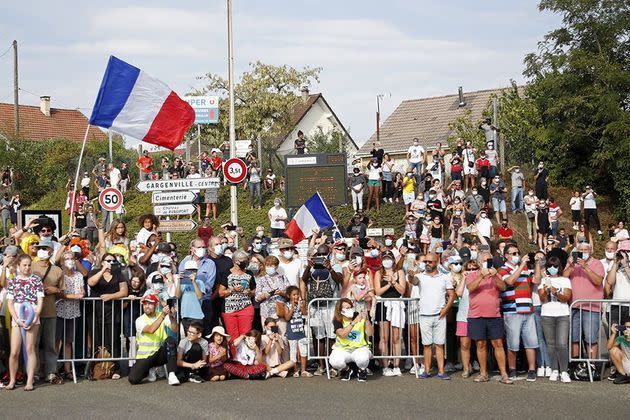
[190,265]
[150,298]
[11,250]
[45,243]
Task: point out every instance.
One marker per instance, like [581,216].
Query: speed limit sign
[234,170]
[110,199]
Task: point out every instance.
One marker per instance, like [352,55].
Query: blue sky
[408,49]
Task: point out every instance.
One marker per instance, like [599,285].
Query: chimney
[304,92]
[462,102]
[44,105]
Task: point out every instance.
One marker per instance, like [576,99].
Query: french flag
[133,103]
[312,214]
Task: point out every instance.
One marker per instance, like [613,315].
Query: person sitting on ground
[275,349]
[248,360]
[155,347]
[192,355]
[619,350]
[217,354]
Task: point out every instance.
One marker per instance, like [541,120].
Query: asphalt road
[380,397]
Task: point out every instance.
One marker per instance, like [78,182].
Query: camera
[318,261]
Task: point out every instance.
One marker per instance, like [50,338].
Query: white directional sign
[172,197]
[177,225]
[178,184]
[173,209]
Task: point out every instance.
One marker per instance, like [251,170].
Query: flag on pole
[133,103]
[312,214]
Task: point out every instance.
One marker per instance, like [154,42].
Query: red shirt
[481,162]
[484,301]
[583,288]
[216,163]
[505,232]
[205,233]
[145,163]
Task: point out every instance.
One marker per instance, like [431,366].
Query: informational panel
[206,108]
[307,174]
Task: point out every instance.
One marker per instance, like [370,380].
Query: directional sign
[372,232]
[177,225]
[234,170]
[110,199]
[178,184]
[173,209]
[172,197]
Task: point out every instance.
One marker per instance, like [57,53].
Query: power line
[6,52]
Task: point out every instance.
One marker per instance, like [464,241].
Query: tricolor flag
[312,214]
[133,103]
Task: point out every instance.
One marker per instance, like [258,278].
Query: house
[428,120]
[310,116]
[46,123]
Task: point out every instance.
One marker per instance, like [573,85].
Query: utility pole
[233,200]
[495,123]
[16,90]
[378,117]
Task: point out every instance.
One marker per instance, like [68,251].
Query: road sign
[206,108]
[373,232]
[110,199]
[177,225]
[172,197]
[173,209]
[178,184]
[388,231]
[234,170]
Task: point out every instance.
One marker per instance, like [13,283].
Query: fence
[398,340]
[590,315]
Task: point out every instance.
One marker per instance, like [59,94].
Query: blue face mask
[552,271]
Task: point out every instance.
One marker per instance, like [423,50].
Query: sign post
[177,225]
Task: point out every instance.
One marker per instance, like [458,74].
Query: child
[217,350]
[275,350]
[619,350]
[294,312]
[576,209]
[361,293]
[192,355]
[248,362]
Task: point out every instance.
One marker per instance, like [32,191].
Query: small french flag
[313,214]
[133,103]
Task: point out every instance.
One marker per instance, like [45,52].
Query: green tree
[463,127]
[326,142]
[580,83]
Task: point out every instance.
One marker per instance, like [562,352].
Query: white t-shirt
[433,292]
[85,182]
[622,286]
[553,307]
[531,206]
[245,355]
[589,201]
[491,154]
[274,214]
[484,226]
[292,271]
[374,173]
[114,177]
[576,203]
[416,154]
[195,175]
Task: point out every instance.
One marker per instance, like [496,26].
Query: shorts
[462,329]
[499,205]
[69,328]
[432,329]
[485,328]
[590,326]
[321,322]
[520,327]
[300,345]
[468,170]
[409,197]
[216,371]
[392,312]
[374,183]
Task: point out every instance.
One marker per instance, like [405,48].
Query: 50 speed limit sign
[110,199]
[234,170]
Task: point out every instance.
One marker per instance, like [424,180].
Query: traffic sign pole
[233,201]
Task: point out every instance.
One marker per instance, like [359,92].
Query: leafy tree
[580,84]
[326,142]
[468,130]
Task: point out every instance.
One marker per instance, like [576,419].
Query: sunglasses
[513,253]
[109,261]
[46,230]
[553,265]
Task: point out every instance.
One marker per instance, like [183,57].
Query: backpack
[102,370]
[579,371]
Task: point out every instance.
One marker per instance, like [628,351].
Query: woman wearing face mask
[237,289]
[414,267]
[353,332]
[374,183]
[68,308]
[459,281]
[270,288]
[542,224]
[397,187]
[409,183]
[248,361]
[357,188]
[388,168]
[555,293]
[278,219]
[390,283]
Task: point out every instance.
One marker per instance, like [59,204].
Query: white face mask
[585,255]
[348,312]
[287,254]
[456,268]
[165,270]
[42,254]
[276,205]
[422,266]
[358,260]
[218,249]
[610,255]
[200,252]
[374,253]
[340,257]
[388,242]
[388,263]
[70,265]
[473,254]
[270,271]
[516,259]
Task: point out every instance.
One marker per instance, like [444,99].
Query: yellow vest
[355,339]
[150,343]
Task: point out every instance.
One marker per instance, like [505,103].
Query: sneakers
[396,372]
[531,376]
[475,366]
[554,376]
[419,369]
[622,379]
[362,375]
[424,375]
[443,376]
[548,371]
[540,372]
[613,374]
[564,377]
[412,370]
[346,374]
[448,367]
[195,379]
[512,374]
[172,379]
[333,373]
[388,372]
[152,375]
[319,371]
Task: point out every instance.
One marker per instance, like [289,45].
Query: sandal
[466,375]
[296,374]
[54,379]
[506,381]
[306,374]
[481,378]
[116,376]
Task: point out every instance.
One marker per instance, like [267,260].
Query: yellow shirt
[409,185]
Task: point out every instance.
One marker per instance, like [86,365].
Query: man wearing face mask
[542,174]
[291,266]
[484,226]
[434,287]
[609,260]
[357,229]
[357,188]
[257,247]
[278,219]
[52,278]
[206,273]
[518,184]
[474,203]
[498,191]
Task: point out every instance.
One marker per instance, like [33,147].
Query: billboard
[306,174]
[206,108]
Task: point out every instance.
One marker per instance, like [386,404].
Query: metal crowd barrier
[609,311]
[321,310]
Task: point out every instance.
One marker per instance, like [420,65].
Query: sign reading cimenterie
[172,197]
[178,184]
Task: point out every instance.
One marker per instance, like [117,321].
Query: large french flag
[313,214]
[133,103]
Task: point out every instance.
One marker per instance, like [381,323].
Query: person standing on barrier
[155,347]
[434,305]
[587,276]
[352,345]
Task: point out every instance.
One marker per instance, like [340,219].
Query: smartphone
[171,302]
[489,263]
[621,328]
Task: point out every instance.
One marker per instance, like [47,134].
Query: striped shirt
[518,297]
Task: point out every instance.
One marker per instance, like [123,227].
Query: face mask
[389,242]
[218,249]
[165,270]
[517,170]
[42,254]
[200,252]
[405,267]
[358,260]
[585,255]
[531,194]
[348,312]
[388,263]
[356,173]
[70,265]
[432,196]
[76,249]
[456,268]
[516,259]
[257,247]
[242,264]
[270,271]
[483,184]
[287,254]
[490,147]
[474,192]
[610,255]
[253,268]
[473,254]
[552,271]
[483,216]
[340,257]
[276,204]
[422,266]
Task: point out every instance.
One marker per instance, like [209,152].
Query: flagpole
[328,211]
[76,180]
[233,201]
